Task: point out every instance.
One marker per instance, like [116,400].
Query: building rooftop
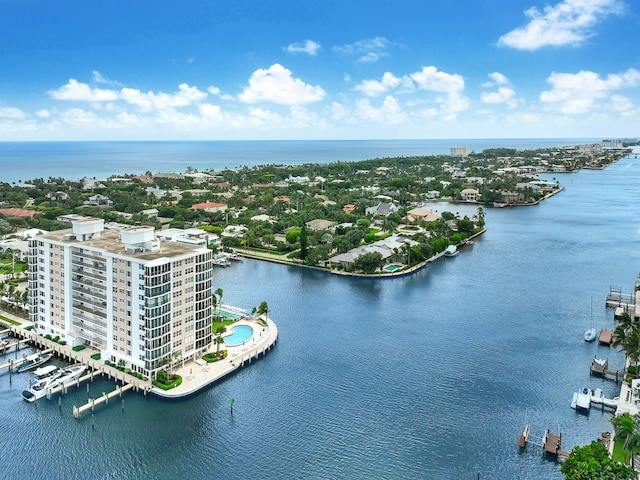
[109,241]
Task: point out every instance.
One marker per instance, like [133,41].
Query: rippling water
[427,376]
[22,161]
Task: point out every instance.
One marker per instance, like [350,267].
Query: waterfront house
[420,214]
[469,195]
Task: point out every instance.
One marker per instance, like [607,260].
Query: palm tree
[263,309]
[631,345]
[218,340]
[625,326]
[627,427]
[218,292]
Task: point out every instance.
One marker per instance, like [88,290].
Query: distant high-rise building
[459,151]
[122,291]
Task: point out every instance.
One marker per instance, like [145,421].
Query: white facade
[123,292]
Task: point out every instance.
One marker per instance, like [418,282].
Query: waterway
[427,376]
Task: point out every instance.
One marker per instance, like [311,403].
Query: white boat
[60,378]
[591,333]
[44,372]
[451,251]
[33,361]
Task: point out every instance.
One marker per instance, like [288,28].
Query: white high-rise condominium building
[122,291]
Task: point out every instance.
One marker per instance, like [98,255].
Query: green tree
[263,309]
[218,294]
[627,427]
[369,262]
[218,339]
[304,242]
[592,462]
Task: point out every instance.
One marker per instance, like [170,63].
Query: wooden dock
[606,337]
[601,370]
[552,444]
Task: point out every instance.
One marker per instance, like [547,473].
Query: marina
[197,375]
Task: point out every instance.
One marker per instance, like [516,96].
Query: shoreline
[269,257]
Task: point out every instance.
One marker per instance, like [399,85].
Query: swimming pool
[241,333]
[392,268]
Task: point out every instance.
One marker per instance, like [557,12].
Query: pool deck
[196,376]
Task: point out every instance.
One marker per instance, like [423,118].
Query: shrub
[29,328]
[47,336]
[127,370]
[632,369]
[77,348]
[56,338]
[167,386]
[96,356]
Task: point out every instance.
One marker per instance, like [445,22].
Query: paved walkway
[195,374]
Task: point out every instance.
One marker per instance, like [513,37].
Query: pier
[196,374]
[599,368]
[552,444]
[104,398]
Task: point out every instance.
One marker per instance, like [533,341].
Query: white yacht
[451,251]
[33,361]
[44,372]
[59,378]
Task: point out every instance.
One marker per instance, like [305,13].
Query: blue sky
[310,69]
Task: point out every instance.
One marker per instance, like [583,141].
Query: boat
[44,372]
[499,204]
[524,437]
[451,251]
[59,378]
[33,361]
[591,334]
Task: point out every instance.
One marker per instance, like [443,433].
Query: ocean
[23,161]
[427,376]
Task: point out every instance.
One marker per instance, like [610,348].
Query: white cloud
[12,113]
[160,101]
[276,85]
[213,90]
[430,78]
[76,91]
[623,105]
[570,22]
[374,88]
[496,79]
[504,94]
[578,93]
[389,112]
[308,46]
[43,113]
[368,50]
[101,79]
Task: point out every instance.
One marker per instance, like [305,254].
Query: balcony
[90,311]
